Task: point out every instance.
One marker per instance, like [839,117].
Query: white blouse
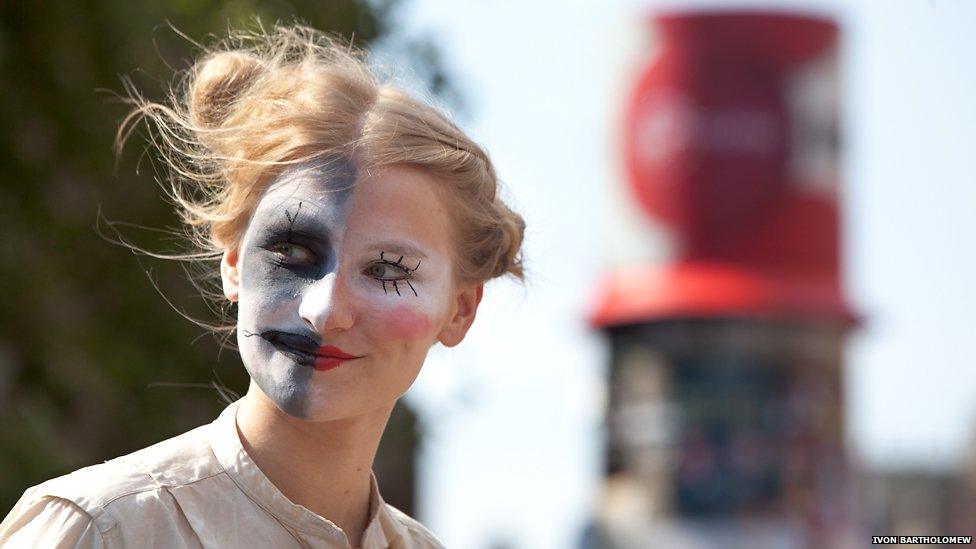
[199,489]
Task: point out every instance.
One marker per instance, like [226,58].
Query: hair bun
[218,80]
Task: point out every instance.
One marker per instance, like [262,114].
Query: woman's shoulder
[94,500]
[178,460]
[50,522]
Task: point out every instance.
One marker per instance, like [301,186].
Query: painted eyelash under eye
[408,272]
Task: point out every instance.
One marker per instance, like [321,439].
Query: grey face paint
[290,243]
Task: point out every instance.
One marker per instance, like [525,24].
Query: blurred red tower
[725,413]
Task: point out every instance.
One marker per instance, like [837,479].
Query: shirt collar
[382,529]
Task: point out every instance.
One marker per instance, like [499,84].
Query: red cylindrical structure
[720,135]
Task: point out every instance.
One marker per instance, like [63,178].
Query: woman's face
[329,269]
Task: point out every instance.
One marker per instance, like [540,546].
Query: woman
[355,228]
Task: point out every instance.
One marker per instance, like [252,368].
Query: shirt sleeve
[49,522]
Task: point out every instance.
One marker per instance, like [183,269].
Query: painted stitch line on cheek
[404,322]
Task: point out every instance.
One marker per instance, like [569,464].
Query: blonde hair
[260,102]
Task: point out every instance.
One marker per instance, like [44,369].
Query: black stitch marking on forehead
[292,219]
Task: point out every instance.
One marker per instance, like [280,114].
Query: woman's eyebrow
[303,227]
[398,247]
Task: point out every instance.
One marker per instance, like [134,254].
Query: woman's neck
[323,466]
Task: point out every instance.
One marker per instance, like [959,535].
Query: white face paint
[327,266]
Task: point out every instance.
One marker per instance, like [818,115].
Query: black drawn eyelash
[291,220]
[399,265]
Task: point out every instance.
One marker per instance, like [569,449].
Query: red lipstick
[329,357]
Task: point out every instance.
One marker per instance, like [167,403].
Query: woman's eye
[294,253]
[386,271]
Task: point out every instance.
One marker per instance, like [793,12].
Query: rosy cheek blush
[405,323]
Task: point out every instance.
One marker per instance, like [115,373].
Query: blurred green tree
[93,362]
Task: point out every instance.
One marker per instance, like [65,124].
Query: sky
[512,415]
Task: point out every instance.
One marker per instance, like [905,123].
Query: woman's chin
[311,402]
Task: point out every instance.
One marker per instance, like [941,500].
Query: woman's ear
[466,306]
[229,274]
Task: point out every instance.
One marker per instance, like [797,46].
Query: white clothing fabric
[199,489]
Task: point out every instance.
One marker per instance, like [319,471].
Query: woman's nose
[324,306]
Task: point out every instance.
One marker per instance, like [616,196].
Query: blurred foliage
[93,362]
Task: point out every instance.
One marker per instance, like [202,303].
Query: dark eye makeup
[291,254]
[288,252]
[286,244]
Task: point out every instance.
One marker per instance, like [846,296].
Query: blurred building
[725,409]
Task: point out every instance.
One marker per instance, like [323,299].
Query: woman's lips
[335,352]
[329,357]
[324,363]
[306,351]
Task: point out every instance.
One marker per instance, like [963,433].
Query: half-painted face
[343,286]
